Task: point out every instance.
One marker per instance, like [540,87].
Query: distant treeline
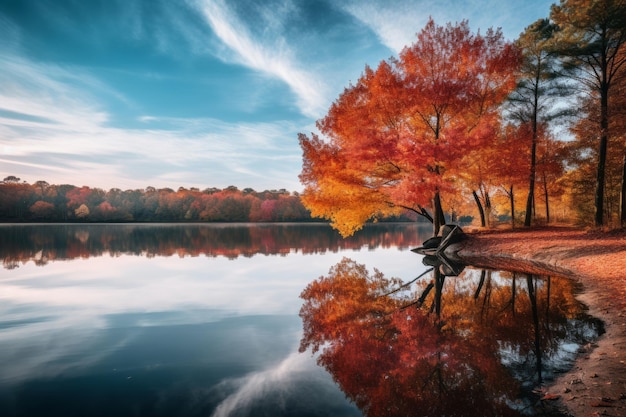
[44,202]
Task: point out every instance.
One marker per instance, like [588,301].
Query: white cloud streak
[67,303]
[273,58]
[394,26]
[37,91]
[53,130]
[396,22]
[256,386]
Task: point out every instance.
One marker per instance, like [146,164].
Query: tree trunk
[480,209]
[513,293]
[439,282]
[545,190]
[512,207]
[623,202]
[487,209]
[533,168]
[604,138]
[533,302]
[487,297]
[438,215]
[548,295]
[483,273]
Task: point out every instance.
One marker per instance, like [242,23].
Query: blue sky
[194,93]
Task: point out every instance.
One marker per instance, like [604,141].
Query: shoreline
[596,384]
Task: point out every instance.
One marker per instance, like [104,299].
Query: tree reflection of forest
[44,243]
[474,344]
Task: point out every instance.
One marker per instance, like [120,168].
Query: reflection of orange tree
[395,361]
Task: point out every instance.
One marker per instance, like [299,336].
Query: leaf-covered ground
[596,386]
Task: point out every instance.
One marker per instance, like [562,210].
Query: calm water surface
[206,320]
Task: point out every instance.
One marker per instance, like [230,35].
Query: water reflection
[143,332]
[473,343]
[122,328]
[45,243]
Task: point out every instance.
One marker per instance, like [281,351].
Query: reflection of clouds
[259,285]
[296,383]
[49,348]
[52,318]
[78,297]
[93,288]
[251,388]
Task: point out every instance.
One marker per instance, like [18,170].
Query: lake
[208,320]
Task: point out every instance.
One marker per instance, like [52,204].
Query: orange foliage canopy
[395,137]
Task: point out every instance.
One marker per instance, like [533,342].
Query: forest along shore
[596,385]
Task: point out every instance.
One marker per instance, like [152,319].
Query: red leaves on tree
[395,138]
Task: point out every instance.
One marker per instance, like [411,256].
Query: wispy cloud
[52,128]
[10,33]
[396,22]
[394,25]
[48,92]
[271,56]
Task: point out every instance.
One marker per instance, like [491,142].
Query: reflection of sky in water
[99,286]
[197,335]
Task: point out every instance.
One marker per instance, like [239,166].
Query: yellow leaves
[347,207]
[338,188]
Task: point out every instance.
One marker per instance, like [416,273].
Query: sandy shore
[596,386]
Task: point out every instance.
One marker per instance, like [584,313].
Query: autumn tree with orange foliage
[395,138]
[511,172]
[552,155]
[476,174]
